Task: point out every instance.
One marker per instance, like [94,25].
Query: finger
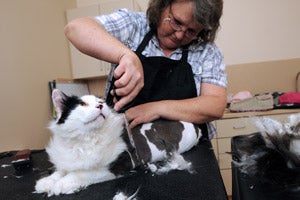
[113,93]
[134,84]
[132,124]
[119,71]
[123,80]
[116,96]
[121,103]
[126,90]
[115,100]
[126,99]
[131,75]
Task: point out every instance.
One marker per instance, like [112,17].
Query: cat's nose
[100,106]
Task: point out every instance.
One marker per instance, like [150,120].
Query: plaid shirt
[206,59]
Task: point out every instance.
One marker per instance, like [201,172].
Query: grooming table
[251,188]
[205,184]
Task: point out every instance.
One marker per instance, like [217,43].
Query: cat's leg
[74,181]
[45,185]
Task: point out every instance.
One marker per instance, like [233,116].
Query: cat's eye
[82,103]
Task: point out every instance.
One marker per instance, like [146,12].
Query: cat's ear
[57,99]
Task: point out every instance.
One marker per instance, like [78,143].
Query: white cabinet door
[84,66]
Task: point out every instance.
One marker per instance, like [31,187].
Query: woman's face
[177,26]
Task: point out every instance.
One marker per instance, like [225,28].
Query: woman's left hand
[142,113]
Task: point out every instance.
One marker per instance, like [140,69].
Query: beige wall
[34,50]
[262,77]
[256,30]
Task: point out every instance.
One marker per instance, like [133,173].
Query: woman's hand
[143,113]
[129,78]
[100,44]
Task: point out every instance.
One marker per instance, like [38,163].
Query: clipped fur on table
[273,154]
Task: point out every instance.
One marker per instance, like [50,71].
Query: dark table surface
[205,184]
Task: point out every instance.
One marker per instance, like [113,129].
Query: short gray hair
[207,13]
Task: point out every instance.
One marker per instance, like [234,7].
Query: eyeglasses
[176,26]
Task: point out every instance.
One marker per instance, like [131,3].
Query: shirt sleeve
[124,25]
[213,67]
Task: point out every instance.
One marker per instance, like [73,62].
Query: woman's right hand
[129,78]
[88,36]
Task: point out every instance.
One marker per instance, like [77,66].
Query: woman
[174,32]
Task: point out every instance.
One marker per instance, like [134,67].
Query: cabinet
[233,124]
[84,66]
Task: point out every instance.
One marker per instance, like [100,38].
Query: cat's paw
[45,185]
[67,185]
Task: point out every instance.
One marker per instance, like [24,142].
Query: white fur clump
[295,147]
[295,144]
[267,126]
[294,121]
[273,131]
[176,161]
[272,128]
[247,163]
[282,137]
[122,196]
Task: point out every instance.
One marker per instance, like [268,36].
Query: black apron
[164,79]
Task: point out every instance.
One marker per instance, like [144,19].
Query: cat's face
[79,115]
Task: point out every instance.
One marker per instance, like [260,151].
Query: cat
[272,154]
[90,144]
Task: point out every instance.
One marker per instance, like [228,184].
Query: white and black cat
[90,144]
[273,154]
